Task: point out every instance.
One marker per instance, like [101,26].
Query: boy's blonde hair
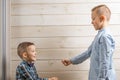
[103,10]
[22,47]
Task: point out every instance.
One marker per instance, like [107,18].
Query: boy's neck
[28,61]
[105,24]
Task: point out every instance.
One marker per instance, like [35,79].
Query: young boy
[26,69]
[101,49]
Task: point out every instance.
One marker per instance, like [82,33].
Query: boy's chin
[96,29]
[33,60]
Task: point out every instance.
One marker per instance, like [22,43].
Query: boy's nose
[91,22]
[35,53]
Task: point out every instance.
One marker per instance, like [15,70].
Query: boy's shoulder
[25,64]
[106,37]
[21,64]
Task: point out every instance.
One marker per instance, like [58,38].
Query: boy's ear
[102,18]
[24,55]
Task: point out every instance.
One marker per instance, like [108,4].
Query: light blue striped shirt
[100,53]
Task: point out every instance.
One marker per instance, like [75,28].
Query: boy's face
[31,53]
[96,21]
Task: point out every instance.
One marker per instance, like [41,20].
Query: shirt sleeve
[82,57]
[18,74]
[21,73]
[106,47]
[38,78]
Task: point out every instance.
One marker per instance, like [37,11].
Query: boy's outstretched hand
[53,78]
[66,62]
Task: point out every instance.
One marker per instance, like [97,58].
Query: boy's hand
[66,62]
[53,78]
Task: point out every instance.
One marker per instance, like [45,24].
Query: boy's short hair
[22,47]
[103,10]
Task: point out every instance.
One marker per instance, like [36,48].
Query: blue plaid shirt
[26,71]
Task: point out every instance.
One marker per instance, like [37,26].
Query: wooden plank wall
[60,29]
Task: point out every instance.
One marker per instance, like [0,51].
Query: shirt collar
[28,63]
[104,29]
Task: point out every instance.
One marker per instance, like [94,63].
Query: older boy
[26,69]
[101,49]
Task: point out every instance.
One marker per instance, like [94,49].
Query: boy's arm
[82,57]
[38,78]
[106,48]
[18,77]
